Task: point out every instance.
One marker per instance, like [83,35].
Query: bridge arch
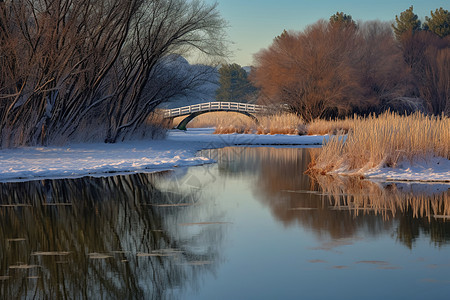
[189,118]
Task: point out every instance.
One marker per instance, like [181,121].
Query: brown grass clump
[281,123]
[385,140]
[322,127]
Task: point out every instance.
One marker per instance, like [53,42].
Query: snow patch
[436,169]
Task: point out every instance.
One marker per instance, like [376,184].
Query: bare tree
[311,71]
[333,69]
[68,64]
[428,57]
[381,71]
[160,28]
[66,49]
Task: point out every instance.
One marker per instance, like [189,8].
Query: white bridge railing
[214,106]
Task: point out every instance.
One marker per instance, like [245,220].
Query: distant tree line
[338,67]
[70,67]
[234,85]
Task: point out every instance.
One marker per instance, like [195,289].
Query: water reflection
[118,237]
[214,231]
[417,207]
[338,206]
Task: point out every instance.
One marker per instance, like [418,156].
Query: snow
[177,150]
[428,169]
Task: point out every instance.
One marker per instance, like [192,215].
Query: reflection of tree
[96,238]
[338,206]
[293,198]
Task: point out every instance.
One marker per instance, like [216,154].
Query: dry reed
[321,127]
[281,123]
[385,140]
[230,122]
[212,120]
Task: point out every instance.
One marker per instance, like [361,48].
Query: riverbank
[179,149]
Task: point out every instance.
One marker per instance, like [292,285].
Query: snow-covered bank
[426,170]
[177,150]
[436,169]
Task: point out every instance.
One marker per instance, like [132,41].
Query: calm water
[252,226]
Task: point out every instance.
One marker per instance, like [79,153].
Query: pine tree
[234,84]
[439,23]
[408,21]
[339,18]
[282,36]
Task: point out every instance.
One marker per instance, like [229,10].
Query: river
[251,226]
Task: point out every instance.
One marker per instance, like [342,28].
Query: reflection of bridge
[193,111]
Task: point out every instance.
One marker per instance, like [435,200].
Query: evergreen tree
[408,21]
[339,18]
[234,84]
[439,23]
[282,36]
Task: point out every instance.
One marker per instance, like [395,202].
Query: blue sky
[254,23]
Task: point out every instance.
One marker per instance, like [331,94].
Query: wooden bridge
[195,110]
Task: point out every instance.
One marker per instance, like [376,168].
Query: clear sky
[254,23]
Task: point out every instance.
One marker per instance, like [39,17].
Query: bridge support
[189,118]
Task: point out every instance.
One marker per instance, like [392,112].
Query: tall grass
[230,122]
[214,119]
[385,140]
[321,127]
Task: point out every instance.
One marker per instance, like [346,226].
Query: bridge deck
[213,106]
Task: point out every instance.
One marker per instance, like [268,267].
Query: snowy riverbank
[433,169]
[179,149]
